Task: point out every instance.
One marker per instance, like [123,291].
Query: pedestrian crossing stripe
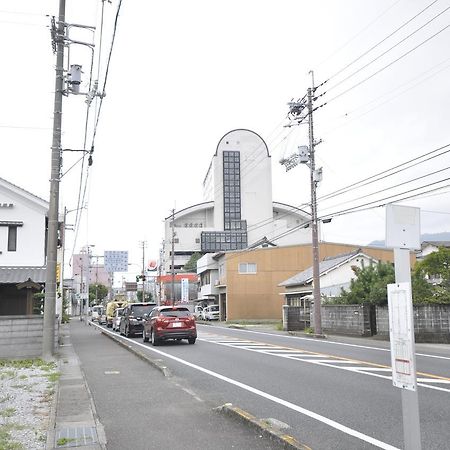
[426,380]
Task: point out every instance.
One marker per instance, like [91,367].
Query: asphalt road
[140,409]
[334,394]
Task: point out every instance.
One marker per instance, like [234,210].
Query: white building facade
[237,209]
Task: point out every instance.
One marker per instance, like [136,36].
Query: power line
[383,68]
[359,33]
[387,51]
[380,42]
[398,94]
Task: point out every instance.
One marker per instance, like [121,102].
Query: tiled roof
[324,266]
[13,275]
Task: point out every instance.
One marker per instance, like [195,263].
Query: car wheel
[154,339]
[191,340]
[144,336]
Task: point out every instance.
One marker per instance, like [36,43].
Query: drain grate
[75,437]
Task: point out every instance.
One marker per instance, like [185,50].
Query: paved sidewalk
[75,419]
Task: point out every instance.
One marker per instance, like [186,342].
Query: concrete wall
[431,323]
[21,336]
[345,319]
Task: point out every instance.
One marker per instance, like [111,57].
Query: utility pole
[48,336]
[314,228]
[305,155]
[173,257]
[143,270]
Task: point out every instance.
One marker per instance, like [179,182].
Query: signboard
[130,286]
[184,290]
[116,261]
[402,227]
[401,332]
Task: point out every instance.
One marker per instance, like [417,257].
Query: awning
[20,274]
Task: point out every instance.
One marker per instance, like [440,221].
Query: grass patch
[8,374]
[5,399]
[279,326]
[6,442]
[27,363]
[8,412]
[309,330]
[63,441]
[53,377]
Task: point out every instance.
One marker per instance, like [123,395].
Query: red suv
[169,322]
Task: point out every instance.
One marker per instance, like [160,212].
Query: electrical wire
[384,67]
[380,42]
[359,33]
[387,51]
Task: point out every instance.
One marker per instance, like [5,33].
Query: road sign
[401,333]
[116,261]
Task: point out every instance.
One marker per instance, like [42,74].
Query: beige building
[246,284]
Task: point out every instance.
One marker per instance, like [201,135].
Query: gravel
[26,397]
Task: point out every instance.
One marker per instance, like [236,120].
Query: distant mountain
[444,236]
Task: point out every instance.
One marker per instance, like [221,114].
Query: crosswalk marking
[306,356]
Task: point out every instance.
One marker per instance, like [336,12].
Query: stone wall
[345,319]
[21,336]
[295,318]
[431,323]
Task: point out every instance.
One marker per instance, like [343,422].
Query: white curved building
[238,210]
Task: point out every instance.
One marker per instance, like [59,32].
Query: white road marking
[338,426]
[318,359]
[333,342]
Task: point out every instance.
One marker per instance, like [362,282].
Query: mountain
[444,236]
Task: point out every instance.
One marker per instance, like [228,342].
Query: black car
[133,318]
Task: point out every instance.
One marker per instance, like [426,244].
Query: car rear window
[180,312]
[214,308]
[140,310]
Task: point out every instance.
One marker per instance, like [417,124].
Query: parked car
[169,322]
[117,318]
[132,320]
[96,312]
[211,312]
[198,311]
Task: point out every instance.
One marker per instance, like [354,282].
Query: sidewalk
[174,417]
[75,419]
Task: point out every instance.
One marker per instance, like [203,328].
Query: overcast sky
[183,74]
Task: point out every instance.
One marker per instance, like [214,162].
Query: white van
[96,312]
[211,312]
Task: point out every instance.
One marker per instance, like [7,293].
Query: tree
[97,292]
[369,285]
[436,265]
[191,265]
[148,296]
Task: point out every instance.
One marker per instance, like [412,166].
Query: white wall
[30,237]
[344,273]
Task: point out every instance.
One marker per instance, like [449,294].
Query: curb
[286,441]
[49,443]
[157,364]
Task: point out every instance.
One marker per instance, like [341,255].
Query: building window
[12,238]
[197,240]
[247,267]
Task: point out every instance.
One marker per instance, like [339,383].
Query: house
[246,283]
[428,247]
[335,272]
[23,238]
[237,208]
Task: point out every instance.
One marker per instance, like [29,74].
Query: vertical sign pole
[410,399]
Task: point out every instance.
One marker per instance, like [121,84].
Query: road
[332,394]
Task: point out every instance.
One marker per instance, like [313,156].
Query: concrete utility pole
[173,257]
[314,228]
[48,337]
[143,269]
